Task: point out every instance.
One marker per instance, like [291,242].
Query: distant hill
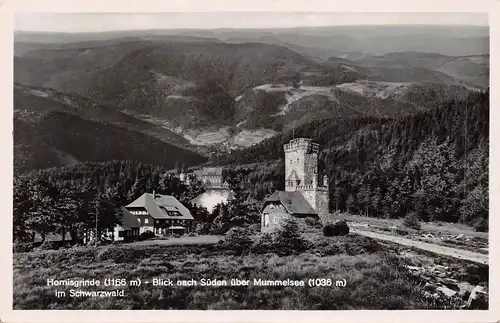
[467,70]
[31,101]
[282,108]
[189,84]
[226,89]
[49,133]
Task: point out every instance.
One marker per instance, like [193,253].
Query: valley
[211,93]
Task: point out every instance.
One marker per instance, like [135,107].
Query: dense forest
[434,163]
[58,138]
[66,201]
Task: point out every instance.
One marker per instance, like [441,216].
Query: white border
[6,77]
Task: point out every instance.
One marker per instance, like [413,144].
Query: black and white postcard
[299,161]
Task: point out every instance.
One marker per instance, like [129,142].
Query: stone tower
[301,173]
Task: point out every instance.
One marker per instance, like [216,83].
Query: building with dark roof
[128,229]
[304,195]
[161,214]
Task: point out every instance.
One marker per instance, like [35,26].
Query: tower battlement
[305,144]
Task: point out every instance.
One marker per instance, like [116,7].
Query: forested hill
[58,138]
[434,162]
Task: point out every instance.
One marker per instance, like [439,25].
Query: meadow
[375,277]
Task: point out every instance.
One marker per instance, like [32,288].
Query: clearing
[442,250]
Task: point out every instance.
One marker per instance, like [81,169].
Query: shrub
[412,221]
[313,222]
[481,225]
[238,238]
[48,245]
[288,238]
[254,228]
[203,228]
[339,228]
[328,230]
[146,235]
[402,231]
[22,247]
[264,243]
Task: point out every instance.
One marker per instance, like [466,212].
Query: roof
[158,207]
[129,221]
[293,202]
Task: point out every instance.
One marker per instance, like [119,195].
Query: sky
[95,22]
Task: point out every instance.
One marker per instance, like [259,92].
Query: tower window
[297,160]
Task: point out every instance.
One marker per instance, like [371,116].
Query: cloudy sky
[88,22]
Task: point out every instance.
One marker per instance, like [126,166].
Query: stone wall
[272,217]
[322,202]
[310,168]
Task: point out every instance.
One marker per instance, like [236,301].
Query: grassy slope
[368,270]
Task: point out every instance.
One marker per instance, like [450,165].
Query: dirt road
[446,251]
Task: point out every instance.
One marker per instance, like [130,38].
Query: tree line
[434,162]
[67,201]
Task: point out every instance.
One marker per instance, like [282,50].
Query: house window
[157,221]
[146,220]
[275,220]
[121,234]
[266,220]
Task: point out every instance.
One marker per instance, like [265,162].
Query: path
[196,240]
[442,250]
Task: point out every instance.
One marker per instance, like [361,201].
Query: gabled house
[304,195]
[161,214]
[281,205]
[128,229]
